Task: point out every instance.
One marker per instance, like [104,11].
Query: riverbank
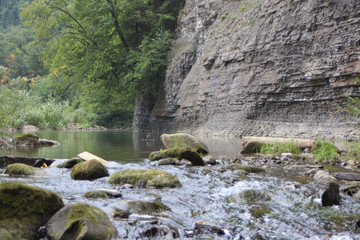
[210,203]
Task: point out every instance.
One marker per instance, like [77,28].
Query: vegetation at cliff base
[87,60]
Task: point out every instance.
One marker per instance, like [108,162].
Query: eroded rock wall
[262,67]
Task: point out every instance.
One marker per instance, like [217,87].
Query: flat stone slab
[347,176]
[89,156]
[35,162]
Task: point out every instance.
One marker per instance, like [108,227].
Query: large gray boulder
[183,140]
[80,221]
[23,209]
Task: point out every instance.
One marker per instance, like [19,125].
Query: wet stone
[331,196]
[347,176]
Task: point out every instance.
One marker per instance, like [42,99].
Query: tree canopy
[109,50]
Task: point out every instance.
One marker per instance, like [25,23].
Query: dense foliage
[97,55]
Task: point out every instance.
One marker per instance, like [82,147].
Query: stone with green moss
[103,193]
[183,140]
[140,207]
[28,139]
[260,211]
[147,178]
[23,209]
[70,163]
[89,170]
[19,169]
[179,153]
[80,221]
[168,161]
[251,196]
[157,155]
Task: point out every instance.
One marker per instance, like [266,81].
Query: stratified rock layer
[260,68]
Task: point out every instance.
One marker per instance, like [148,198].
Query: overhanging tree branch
[116,24]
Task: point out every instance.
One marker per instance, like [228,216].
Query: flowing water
[207,194]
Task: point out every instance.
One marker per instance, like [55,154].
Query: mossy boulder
[80,221]
[89,170]
[179,153]
[183,140]
[28,139]
[126,208]
[70,163]
[23,209]
[147,178]
[19,169]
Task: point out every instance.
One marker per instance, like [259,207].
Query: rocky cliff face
[262,67]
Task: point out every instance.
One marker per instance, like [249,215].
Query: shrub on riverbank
[19,109]
[325,151]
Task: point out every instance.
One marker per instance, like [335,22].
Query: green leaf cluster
[106,51]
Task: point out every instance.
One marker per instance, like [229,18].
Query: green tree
[110,49]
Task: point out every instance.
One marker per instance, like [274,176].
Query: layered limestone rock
[256,67]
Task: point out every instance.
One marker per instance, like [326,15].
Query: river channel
[208,194]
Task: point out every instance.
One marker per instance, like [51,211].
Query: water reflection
[123,147]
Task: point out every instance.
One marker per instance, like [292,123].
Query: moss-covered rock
[260,211]
[155,178]
[89,170]
[70,163]
[125,208]
[157,155]
[251,196]
[28,139]
[80,221]
[23,209]
[179,153]
[168,161]
[247,168]
[19,169]
[183,140]
[103,193]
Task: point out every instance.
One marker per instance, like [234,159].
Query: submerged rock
[250,196]
[183,140]
[80,221]
[70,163]
[145,178]
[89,170]
[247,168]
[331,196]
[23,209]
[19,169]
[140,207]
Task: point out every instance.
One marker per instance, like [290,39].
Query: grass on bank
[279,148]
[323,151]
